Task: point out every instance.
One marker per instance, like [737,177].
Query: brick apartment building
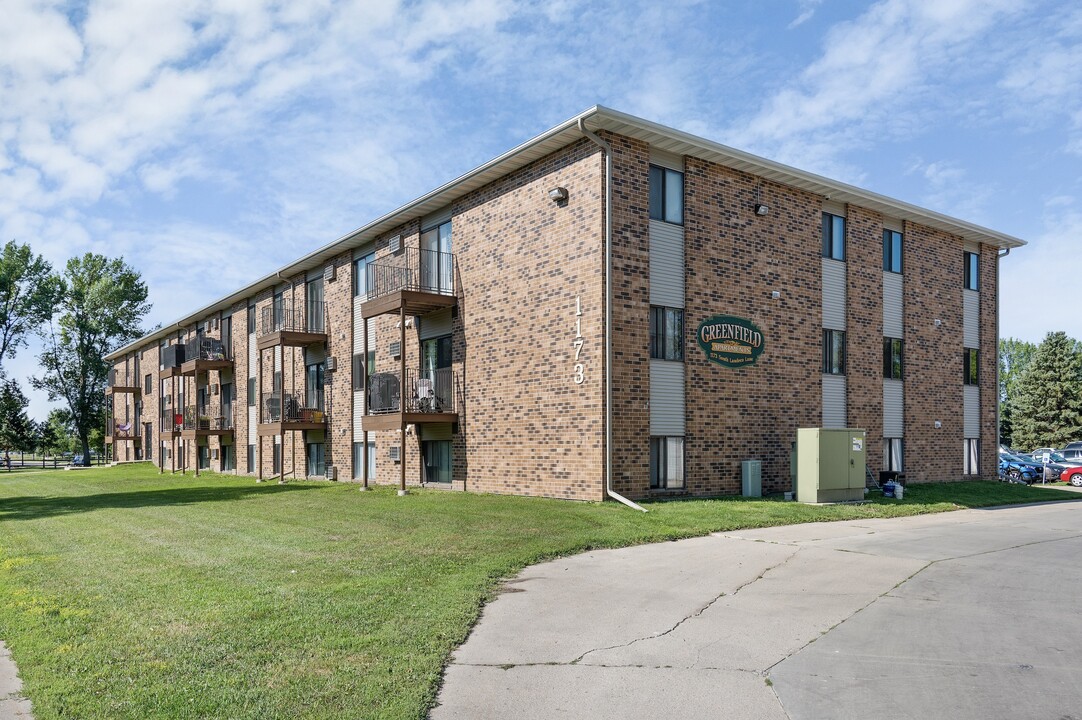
[462,340]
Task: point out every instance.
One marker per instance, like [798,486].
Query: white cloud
[807,10]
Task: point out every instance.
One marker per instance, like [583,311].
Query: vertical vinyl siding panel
[833,294]
[834,401]
[666,264]
[358,415]
[893,325]
[253,410]
[358,348]
[435,325]
[972,411]
[971,319]
[893,408]
[666,397]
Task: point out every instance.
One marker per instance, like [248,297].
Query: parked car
[1072,475]
[77,460]
[1041,453]
[1071,454]
[1014,469]
[1047,470]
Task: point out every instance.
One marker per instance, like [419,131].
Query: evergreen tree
[1048,408]
[17,430]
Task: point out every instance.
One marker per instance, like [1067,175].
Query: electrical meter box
[830,465]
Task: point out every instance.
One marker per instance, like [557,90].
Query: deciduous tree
[29,293]
[104,302]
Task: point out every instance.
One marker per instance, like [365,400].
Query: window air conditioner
[329,273]
[332,364]
[331,472]
[395,453]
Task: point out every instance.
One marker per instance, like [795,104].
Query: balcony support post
[402,400]
[364,405]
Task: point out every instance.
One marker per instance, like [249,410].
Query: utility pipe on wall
[607,149]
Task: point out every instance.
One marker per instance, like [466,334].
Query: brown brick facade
[525,265]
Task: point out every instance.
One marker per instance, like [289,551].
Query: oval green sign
[730,341]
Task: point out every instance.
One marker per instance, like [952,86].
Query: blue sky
[212,141]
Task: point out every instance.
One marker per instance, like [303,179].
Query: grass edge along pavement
[125,594]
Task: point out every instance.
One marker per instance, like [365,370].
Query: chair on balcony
[123,429]
[272,409]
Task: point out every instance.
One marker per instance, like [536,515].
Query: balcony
[209,419]
[429,398]
[285,411]
[118,432]
[122,382]
[414,281]
[202,354]
[284,323]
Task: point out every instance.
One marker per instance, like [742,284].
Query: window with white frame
[666,463]
[972,457]
[666,195]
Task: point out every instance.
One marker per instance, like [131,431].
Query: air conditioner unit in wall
[395,453]
[394,244]
[329,273]
[331,472]
[332,364]
[396,349]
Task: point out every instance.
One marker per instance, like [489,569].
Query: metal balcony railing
[118,429]
[298,407]
[212,416]
[427,271]
[284,316]
[204,348]
[119,378]
[427,391]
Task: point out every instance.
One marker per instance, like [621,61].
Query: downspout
[607,149]
[999,402]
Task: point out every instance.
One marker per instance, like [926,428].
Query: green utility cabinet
[830,465]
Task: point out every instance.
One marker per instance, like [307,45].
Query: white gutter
[999,403]
[607,149]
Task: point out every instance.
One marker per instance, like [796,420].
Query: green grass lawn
[125,594]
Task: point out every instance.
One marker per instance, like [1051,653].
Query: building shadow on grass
[37,507]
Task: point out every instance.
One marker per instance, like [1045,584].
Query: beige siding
[892,305]
[972,412]
[666,397]
[666,264]
[834,401]
[893,408]
[971,319]
[833,294]
[435,324]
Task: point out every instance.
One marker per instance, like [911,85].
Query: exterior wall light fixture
[761,209]
[558,194]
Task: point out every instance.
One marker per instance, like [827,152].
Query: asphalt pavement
[970,614]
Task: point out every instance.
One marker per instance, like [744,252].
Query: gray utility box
[751,478]
[830,465]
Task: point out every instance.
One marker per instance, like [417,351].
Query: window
[666,333]
[227,336]
[251,392]
[229,458]
[251,459]
[971,260]
[972,464]
[666,463]
[833,236]
[892,454]
[314,305]
[666,195]
[437,454]
[360,274]
[359,373]
[834,352]
[358,459]
[892,251]
[892,358]
[317,459]
[251,319]
[148,385]
[437,269]
[276,459]
[315,377]
[970,366]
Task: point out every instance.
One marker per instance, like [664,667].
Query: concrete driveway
[970,614]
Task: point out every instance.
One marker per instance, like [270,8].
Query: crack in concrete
[687,618]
